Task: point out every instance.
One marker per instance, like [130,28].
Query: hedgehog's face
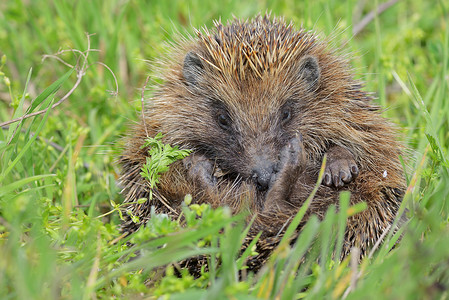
[246,123]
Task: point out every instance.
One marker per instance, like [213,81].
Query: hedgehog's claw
[341,167]
[201,170]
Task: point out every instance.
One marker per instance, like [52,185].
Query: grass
[59,200]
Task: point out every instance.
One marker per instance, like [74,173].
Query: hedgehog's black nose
[262,177]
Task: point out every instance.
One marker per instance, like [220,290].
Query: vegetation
[83,62]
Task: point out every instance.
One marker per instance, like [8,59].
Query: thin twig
[355,256]
[357,275]
[143,104]
[80,74]
[379,241]
[112,93]
[54,56]
[45,110]
[368,18]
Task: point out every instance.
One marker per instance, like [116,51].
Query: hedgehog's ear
[193,68]
[309,70]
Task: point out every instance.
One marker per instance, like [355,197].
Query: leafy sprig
[160,156]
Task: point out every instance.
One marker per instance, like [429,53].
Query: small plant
[160,157]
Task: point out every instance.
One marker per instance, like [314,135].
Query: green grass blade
[4,190]
[28,144]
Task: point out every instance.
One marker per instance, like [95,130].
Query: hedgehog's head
[248,121]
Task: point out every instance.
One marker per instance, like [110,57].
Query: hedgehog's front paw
[200,169]
[291,153]
[285,174]
[290,162]
[341,167]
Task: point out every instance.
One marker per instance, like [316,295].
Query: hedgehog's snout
[263,174]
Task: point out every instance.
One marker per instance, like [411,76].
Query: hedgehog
[260,103]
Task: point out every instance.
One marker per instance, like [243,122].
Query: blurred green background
[54,189]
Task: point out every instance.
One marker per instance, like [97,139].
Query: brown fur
[260,95]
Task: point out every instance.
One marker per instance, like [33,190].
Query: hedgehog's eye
[286,115]
[224,121]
